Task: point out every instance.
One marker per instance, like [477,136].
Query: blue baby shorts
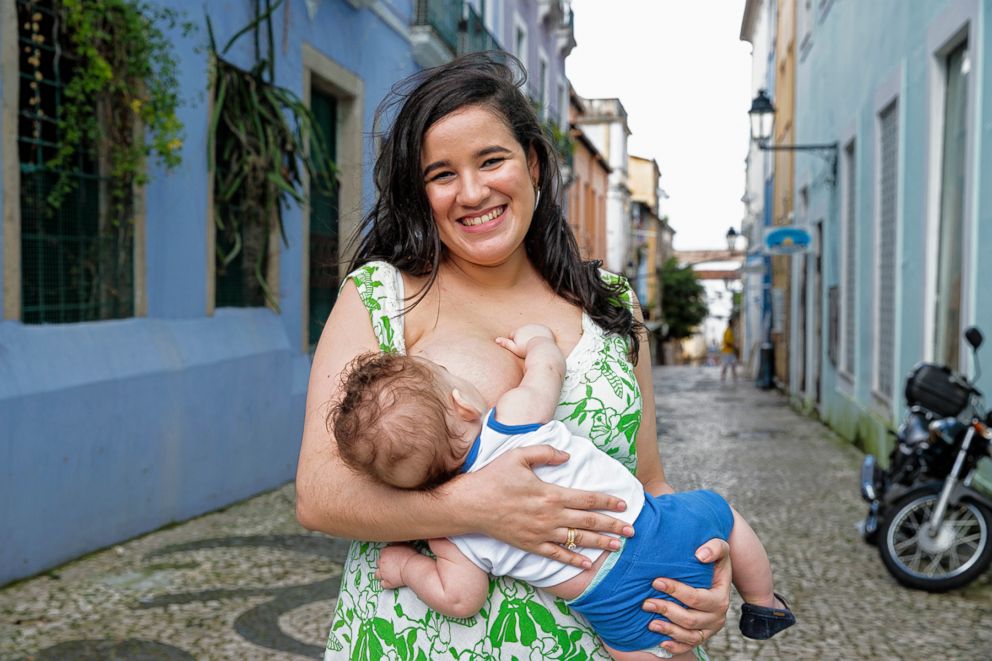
[667,533]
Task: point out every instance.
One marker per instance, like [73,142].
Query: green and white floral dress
[600,400]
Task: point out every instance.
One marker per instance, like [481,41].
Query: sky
[684,76]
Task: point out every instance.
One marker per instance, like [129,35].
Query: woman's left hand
[707,609]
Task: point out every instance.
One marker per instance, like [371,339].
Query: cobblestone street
[249,583]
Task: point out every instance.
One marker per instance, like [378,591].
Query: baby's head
[404,420]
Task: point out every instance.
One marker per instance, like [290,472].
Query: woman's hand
[707,609]
[517,507]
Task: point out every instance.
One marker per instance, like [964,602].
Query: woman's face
[480,185]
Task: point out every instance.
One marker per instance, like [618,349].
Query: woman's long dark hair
[400,227]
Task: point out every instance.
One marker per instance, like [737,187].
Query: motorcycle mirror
[974,337]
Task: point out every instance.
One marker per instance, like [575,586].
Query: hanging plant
[124,77]
[262,139]
[561,140]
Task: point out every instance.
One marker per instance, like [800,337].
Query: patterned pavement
[248,583]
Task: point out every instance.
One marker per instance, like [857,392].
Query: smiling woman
[468,219]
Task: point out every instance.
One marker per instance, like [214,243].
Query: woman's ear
[466,409]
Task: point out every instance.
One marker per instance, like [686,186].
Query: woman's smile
[484,221]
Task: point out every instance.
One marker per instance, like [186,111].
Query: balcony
[435,33]
[565,35]
[475,36]
[445,28]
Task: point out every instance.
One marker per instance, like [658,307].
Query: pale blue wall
[114,428]
[858,50]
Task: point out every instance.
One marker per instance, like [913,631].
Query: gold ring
[570,540]
[702,636]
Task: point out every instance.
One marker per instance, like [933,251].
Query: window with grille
[950,256]
[888,123]
[850,258]
[324,229]
[77,263]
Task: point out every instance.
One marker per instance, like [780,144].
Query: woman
[466,241]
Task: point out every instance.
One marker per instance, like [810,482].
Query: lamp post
[732,239]
[762,115]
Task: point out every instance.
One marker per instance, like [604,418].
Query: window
[335,96]
[77,263]
[850,259]
[804,20]
[951,230]
[888,125]
[542,90]
[520,41]
[324,230]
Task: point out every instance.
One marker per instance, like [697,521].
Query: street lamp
[731,239]
[762,115]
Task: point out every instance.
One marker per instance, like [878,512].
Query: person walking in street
[377,441]
[465,237]
[728,352]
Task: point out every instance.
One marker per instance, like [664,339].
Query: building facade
[587,187]
[605,124]
[758,29]
[649,239]
[899,226]
[182,396]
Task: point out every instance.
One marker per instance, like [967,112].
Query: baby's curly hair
[391,411]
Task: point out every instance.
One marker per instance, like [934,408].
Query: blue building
[900,226]
[168,390]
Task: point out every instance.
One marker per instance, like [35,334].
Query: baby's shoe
[761,623]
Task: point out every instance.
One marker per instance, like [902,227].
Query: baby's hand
[392,559]
[522,336]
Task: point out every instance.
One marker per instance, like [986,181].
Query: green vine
[262,139]
[123,80]
[561,140]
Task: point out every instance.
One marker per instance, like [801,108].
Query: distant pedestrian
[728,352]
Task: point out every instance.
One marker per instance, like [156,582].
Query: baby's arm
[536,398]
[450,583]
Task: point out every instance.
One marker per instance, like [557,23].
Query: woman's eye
[441,176]
[491,162]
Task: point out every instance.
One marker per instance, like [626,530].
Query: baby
[410,423]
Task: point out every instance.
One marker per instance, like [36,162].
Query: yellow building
[782,212]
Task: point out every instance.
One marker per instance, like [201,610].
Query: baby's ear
[467,411]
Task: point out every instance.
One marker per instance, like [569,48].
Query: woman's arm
[650,471]
[529,514]
[707,612]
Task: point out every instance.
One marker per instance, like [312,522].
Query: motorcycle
[932,528]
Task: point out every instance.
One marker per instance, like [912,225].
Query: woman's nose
[473,190]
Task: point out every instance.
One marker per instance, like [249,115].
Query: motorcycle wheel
[960,552]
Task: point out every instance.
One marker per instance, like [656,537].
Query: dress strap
[380,288]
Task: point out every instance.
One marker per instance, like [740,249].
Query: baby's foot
[763,622]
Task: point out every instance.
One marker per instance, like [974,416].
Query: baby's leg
[647,656]
[752,570]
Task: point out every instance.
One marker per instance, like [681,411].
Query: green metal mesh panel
[73,266]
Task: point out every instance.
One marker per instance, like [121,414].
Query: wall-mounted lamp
[732,239]
[762,115]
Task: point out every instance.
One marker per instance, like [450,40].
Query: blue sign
[786,240]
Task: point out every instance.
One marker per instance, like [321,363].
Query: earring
[537,197]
